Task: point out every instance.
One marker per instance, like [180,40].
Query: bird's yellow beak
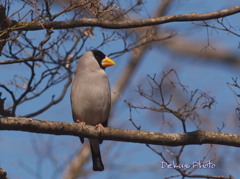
[107,62]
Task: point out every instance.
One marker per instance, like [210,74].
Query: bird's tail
[96,155]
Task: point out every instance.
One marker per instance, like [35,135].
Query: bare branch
[124,135]
[83,22]
[7,62]
[77,162]
[53,101]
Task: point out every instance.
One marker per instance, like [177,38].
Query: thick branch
[125,135]
[126,23]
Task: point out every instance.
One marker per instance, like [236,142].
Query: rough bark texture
[37,25]
[125,135]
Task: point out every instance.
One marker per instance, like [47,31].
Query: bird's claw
[80,122]
[100,127]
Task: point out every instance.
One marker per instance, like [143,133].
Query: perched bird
[91,97]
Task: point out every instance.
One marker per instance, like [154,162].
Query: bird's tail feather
[96,155]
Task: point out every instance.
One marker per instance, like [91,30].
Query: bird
[91,97]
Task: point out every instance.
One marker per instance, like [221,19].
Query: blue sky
[20,151]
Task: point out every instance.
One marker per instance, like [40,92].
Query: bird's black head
[99,56]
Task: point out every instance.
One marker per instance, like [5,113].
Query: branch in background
[124,135]
[7,62]
[184,46]
[138,54]
[53,101]
[74,168]
[83,22]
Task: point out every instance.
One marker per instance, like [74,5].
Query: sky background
[25,155]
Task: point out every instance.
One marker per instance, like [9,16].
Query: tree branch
[125,135]
[36,25]
[7,62]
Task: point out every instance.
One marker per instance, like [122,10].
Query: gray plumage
[91,98]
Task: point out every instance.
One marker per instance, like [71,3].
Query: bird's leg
[100,127]
[80,122]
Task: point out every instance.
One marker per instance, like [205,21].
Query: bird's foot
[80,122]
[100,127]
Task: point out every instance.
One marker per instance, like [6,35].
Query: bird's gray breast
[91,97]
